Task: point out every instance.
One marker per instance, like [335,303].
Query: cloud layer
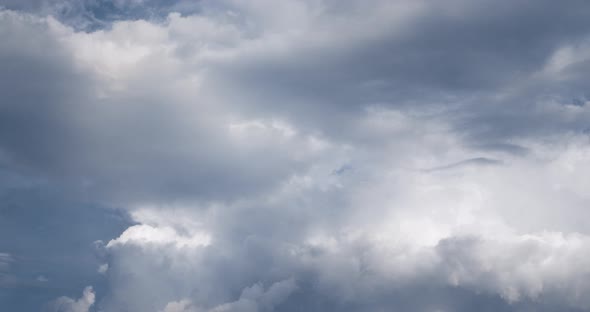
[308,155]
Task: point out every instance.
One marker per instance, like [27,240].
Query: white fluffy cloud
[496,228]
[252,299]
[82,304]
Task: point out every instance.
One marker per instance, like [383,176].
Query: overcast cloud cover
[302,155]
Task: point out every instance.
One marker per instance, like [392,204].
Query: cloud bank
[311,155]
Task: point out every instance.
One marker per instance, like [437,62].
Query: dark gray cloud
[53,123]
[477,62]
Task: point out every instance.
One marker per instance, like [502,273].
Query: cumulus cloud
[252,299]
[82,304]
[256,299]
[459,233]
[179,306]
[311,155]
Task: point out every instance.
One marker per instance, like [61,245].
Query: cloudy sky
[294,155]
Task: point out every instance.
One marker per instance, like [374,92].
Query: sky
[294,155]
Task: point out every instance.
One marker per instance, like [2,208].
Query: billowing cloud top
[302,155]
